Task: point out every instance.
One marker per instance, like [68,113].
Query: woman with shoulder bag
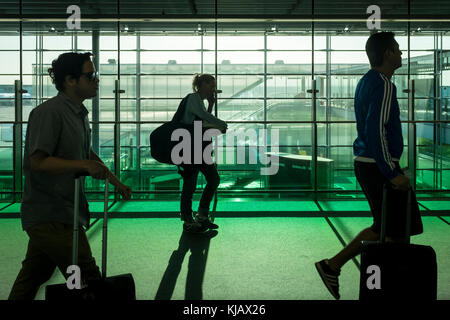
[204,87]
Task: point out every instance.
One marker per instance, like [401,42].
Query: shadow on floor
[198,244]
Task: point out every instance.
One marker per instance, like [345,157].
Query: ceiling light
[199,29]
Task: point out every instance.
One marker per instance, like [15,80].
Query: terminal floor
[249,258]
[244,207]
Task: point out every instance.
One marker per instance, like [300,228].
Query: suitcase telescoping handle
[76,224]
[105,229]
[384,215]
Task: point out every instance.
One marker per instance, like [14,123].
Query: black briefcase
[397,271]
[120,287]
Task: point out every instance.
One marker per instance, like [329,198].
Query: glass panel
[344,86]
[280,42]
[7,98]
[444,163]
[446,42]
[128,83]
[29,62]
[29,40]
[289,109]
[335,110]
[106,110]
[353,42]
[6,157]
[128,161]
[240,42]
[13,65]
[167,62]
[342,134]
[242,86]
[172,52]
[128,62]
[169,86]
[246,62]
[57,42]
[241,110]
[288,86]
[108,62]
[172,42]
[158,109]
[128,110]
[287,62]
[6,169]
[354,62]
[49,89]
[425,157]
[108,41]
[342,172]
[294,158]
[107,85]
[84,42]
[421,41]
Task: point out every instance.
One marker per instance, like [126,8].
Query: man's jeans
[50,246]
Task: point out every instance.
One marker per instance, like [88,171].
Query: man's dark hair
[376,46]
[70,63]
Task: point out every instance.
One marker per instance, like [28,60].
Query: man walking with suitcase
[377,151]
[58,147]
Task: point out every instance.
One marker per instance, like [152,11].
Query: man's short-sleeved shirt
[59,127]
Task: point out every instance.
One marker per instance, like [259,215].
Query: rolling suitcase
[397,271]
[120,287]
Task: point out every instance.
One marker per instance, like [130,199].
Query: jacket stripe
[385,110]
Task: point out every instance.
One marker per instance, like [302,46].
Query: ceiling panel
[269,12]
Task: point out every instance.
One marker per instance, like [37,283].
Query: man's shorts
[372,181]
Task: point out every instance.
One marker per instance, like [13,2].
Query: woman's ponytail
[199,79]
[196,82]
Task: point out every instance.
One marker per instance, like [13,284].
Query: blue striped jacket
[377,113]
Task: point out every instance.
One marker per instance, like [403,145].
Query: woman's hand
[211,100]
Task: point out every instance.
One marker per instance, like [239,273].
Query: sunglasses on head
[91,75]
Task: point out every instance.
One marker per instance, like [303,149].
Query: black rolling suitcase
[397,271]
[120,287]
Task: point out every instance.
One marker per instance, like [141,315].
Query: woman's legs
[189,174]
[212,182]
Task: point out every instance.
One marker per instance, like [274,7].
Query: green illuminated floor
[245,207]
[249,258]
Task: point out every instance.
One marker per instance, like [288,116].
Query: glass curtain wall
[9,74]
[266,71]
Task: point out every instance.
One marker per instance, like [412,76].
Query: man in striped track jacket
[377,151]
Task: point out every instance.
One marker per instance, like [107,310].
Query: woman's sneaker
[205,221]
[329,277]
[194,227]
[190,225]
